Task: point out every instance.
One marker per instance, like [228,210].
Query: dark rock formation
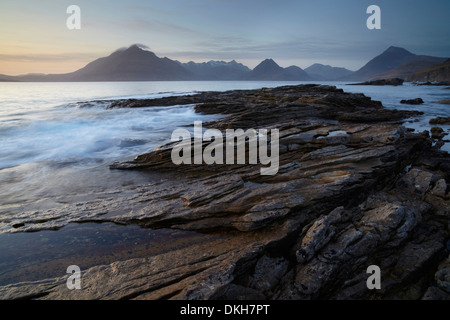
[440,120]
[412,101]
[437,133]
[443,102]
[382,82]
[434,83]
[354,189]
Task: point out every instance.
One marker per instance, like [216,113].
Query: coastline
[375,194]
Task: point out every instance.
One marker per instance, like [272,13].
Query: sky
[34,37]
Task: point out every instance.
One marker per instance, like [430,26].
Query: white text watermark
[222,149]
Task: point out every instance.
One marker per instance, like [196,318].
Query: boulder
[412,101]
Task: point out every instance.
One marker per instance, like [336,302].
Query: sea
[53,144]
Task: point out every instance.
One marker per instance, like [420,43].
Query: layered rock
[354,189]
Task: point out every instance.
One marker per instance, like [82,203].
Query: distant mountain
[217,70]
[390,59]
[131,64]
[439,72]
[5,78]
[322,72]
[269,70]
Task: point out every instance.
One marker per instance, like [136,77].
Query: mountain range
[138,64]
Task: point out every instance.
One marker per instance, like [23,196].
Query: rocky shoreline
[354,189]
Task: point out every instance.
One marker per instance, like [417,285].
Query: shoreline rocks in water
[416,101]
[443,102]
[437,133]
[440,120]
[436,83]
[373,194]
[381,82]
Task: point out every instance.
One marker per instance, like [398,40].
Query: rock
[268,273]
[382,82]
[442,102]
[442,276]
[440,120]
[434,83]
[437,133]
[318,235]
[412,101]
[434,293]
[238,292]
[442,289]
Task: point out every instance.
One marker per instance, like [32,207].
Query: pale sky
[34,37]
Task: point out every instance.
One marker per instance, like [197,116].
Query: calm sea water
[50,147]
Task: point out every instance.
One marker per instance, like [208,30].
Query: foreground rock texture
[354,189]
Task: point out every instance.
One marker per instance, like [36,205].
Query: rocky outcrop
[415,101]
[440,120]
[437,133]
[354,189]
[442,102]
[434,83]
[382,82]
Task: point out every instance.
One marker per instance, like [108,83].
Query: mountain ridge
[318,71]
[137,63]
[392,58]
[270,70]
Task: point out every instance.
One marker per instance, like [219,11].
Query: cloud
[142,46]
[145,26]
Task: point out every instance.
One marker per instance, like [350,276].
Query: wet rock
[412,101]
[443,102]
[440,120]
[437,133]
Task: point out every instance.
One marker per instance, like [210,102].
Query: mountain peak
[270,70]
[269,61]
[390,59]
[267,64]
[134,47]
[397,50]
